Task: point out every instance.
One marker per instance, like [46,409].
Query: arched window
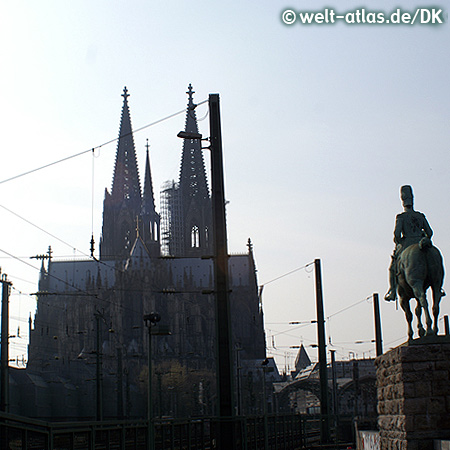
[126,235]
[206,236]
[195,237]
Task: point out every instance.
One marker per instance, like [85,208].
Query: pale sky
[321,126]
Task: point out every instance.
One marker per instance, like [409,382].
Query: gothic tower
[150,220]
[195,202]
[122,207]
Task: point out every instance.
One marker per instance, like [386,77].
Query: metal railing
[284,432]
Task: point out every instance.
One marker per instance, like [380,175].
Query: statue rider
[410,227]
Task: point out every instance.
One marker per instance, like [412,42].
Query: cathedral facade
[89,343]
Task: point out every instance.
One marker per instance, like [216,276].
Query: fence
[284,432]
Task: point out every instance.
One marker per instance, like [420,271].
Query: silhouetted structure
[89,335]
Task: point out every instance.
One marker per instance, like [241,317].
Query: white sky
[321,126]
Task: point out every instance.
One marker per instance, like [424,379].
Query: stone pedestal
[413,383]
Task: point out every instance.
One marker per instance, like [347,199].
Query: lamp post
[266,437]
[226,430]
[4,390]
[99,372]
[150,320]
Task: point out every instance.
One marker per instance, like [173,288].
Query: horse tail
[425,244]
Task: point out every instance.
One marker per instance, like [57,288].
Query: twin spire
[192,173]
[129,212]
[126,184]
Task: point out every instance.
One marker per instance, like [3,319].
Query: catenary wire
[67,158]
[286,274]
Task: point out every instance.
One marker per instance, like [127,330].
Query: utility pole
[378,335]
[334,378]
[4,394]
[325,422]
[150,320]
[119,384]
[335,393]
[238,380]
[99,375]
[226,438]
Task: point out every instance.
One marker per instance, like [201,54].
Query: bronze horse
[420,267]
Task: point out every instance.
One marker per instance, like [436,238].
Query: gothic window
[155,232]
[195,237]
[151,232]
[126,235]
[206,236]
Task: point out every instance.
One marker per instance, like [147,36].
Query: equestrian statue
[416,265]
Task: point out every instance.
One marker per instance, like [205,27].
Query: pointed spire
[151,220]
[126,184]
[148,200]
[192,173]
[302,360]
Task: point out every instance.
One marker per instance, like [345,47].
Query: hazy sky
[321,126]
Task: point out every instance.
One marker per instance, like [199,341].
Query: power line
[286,274]
[39,228]
[67,158]
[348,307]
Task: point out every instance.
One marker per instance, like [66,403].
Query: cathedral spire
[148,199]
[192,173]
[126,184]
[124,203]
[150,218]
[193,187]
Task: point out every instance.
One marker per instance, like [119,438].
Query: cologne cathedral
[89,343]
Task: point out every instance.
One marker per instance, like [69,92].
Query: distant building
[355,394]
[89,321]
[301,361]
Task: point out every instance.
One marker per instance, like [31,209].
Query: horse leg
[404,303]
[437,294]
[422,299]
[418,312]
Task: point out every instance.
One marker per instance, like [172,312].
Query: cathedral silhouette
[89,332]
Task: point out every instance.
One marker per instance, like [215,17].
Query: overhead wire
[67,158]
[35,226]
[286,274]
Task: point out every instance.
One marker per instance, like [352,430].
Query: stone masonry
[413,384]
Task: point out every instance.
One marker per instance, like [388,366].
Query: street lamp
[227,434]
[150,320]
[266,437]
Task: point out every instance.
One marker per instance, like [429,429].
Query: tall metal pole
[119,384]
[378,335]
[99,376]
[335,395]
[4,391]
[238,381]
[151,440]
[325,422]
[226,437]
[334,378]
[150,320]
